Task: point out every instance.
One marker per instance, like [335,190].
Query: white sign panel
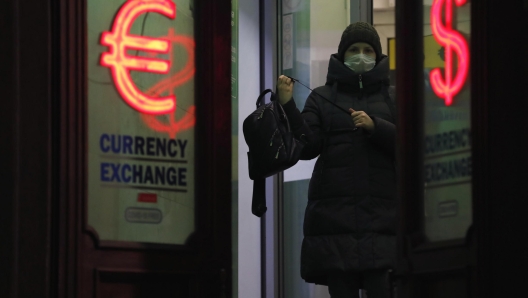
[141,118]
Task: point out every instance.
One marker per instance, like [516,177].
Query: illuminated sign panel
[141,120]
[453,41]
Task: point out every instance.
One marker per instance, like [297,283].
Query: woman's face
[360,48]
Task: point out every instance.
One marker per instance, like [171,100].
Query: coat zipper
[360,82]
[360,86]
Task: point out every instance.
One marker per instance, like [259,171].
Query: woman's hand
[285,89]
[361,119]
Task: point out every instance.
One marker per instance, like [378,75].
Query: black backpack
[272,146]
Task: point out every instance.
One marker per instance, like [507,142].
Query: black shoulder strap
[390,98]
[258,203]
[330,101]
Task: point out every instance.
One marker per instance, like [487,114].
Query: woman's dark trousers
[347,285]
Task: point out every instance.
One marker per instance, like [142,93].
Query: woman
[349,225]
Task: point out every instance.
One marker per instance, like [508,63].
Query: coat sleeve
[306,126]
[384,135]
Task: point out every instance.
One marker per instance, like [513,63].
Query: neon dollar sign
[119,40]
[453,42]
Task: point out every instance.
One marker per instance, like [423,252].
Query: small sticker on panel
[448,209]
[143,215]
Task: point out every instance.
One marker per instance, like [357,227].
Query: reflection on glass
[447,119]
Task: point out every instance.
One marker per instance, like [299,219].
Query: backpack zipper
[262,113]
[274,133]
[278,151]
[267,107]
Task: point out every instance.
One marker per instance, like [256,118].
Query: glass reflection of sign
[453,41]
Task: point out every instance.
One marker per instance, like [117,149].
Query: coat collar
[347,79]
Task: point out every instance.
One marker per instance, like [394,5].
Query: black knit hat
[359,32]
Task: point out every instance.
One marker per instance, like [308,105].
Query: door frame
[418,260]
[484,261]
[80,260]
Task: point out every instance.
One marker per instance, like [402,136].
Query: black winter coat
[349,224]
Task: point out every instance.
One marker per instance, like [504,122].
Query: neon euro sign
[453,41]
[119,40]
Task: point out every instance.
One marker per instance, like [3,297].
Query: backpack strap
[260,99]
[258,203]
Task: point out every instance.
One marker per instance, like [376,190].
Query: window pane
[311,31]
[447,119]
[141,120]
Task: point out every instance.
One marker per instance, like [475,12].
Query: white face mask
[360,63]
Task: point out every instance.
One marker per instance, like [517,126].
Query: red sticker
[148,197]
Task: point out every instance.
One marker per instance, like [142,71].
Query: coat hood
[372,80]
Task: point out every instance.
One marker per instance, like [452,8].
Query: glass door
[309,33]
